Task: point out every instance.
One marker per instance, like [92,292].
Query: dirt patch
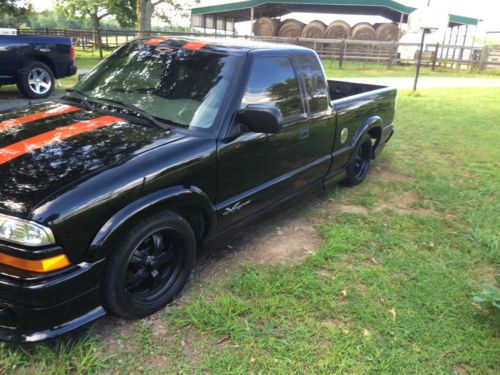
[288,238]
[383,172]
[325,272]
[460,370]
[403,204]
[337,323]
[350,209]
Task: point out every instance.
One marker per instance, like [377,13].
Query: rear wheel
[358,166]
[150,265]
[36,80]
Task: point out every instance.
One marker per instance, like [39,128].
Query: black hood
[46,147]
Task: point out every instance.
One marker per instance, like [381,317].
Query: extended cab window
[273,81]
[316,87]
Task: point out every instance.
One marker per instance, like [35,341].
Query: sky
[488,10]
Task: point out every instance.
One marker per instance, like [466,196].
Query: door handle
[303,133]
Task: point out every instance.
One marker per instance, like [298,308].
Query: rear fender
[169,198]
[366,126]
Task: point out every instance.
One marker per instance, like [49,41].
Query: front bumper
[39,308]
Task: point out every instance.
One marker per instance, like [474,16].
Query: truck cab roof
[229,45]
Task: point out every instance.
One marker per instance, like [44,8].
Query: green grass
[88,59]
[362,70]
[408,275]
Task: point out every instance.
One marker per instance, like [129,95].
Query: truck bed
[343,89]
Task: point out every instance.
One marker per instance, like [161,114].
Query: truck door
[255,169]
[322,117]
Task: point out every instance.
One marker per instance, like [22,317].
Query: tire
[360,162]
[163,246]
[36,80]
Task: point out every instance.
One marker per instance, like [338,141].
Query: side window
[273,81]
[316,87]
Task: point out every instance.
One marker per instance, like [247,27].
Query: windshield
[179,86]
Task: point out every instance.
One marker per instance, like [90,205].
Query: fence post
[484,58]
[392,52]
[47,31]
[341,53]
[434,56]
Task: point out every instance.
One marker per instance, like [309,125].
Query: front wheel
[150,265]
[360,162]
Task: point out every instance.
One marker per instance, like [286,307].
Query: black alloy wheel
[358,167]
[149,267]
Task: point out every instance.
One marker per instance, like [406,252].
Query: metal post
[419,61]
[251,20]
[401,19]
[455,46]
[461,54]
[449,43]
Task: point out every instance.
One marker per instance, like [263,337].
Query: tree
[146,8]
[122,10]
[14,12]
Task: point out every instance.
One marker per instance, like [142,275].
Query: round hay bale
[387,32]
[314,29]
[291,28]
[363,31]
[338,30]
[265,26]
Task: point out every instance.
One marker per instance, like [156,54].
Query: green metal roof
[275,8]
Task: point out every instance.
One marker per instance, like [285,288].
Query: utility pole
[419,61]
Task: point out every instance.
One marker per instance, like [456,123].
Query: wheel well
[42,59]
[375,133]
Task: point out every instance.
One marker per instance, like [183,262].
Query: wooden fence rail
[340,50]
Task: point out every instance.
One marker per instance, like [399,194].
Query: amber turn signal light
[40,265]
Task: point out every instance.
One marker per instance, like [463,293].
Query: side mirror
[261,118]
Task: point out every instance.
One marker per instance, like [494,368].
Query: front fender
[172,197]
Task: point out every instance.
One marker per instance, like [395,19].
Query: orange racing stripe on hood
[37,116]
[34,143]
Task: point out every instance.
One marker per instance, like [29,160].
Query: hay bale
[338,30]
[291,28]
[363,31]
[265,26]
[387,32]
[314,29]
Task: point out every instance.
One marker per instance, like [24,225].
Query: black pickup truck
[33,62]
[108,194]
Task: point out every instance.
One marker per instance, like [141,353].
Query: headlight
[24,232]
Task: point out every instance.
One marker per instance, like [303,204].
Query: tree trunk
[144,15]
[95,25]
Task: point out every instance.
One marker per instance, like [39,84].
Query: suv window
[316,87]
[273,81]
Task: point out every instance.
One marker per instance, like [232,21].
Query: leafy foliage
[489,296]
[122,10]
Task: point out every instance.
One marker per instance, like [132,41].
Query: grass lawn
[362,70]
[388,290]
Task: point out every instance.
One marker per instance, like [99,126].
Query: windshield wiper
[138,111]
[82,97]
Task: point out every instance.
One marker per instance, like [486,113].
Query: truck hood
[46,147]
